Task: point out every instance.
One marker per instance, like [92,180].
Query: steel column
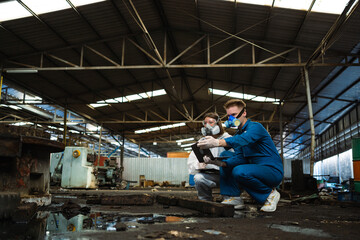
[311,118]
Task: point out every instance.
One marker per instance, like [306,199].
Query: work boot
[237,202]
[271,202]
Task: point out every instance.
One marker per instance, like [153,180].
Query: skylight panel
[84,2]
[45,6]
[185,140]
[121,99]
[259,99]
[111,101]
[133,97]
[12,10]
[257,2]
[128,98]
[235,95]
[159,128]
[218,92]
[324,6]
[96,105]
[158,92]
[145,95]
[299,5]
[187,145]
[15,107]
[22,123]
[330,6]
[243,96]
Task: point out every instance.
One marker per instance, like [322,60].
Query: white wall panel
[173,170]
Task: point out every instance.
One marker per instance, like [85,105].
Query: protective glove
[208,160]
[208,142]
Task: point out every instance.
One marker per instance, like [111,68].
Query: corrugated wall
[173,170]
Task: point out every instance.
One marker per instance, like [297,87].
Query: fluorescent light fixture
[22,71]
[130,98]
[188,149]
[155,143]
[11,10]
[159,128]
[244,96]
[185,140]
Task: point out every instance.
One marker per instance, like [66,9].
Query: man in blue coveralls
[255,166]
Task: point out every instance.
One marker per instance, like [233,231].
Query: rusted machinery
[24,166]
[77,167]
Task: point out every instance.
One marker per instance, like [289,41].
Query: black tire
[8,202]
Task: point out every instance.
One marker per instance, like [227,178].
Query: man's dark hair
[234,102]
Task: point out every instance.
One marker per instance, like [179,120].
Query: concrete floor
[313,220]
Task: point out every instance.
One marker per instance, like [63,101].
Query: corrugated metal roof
[103,27]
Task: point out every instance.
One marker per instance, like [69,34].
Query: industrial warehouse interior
[103,101]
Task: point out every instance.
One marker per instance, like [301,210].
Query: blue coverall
[255,166]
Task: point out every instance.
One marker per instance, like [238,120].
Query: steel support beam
[311,118]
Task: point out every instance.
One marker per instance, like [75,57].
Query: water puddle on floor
[305,231]
[48,224]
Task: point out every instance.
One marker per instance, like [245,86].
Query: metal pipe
[122,157]
[281,142]
[235,65]
[1,83]
[101,128]
[65,126]
[311,119]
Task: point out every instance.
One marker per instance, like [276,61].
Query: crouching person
[207,176]
[255,166]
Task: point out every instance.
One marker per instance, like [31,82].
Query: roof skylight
[244,96]
[159,128]
[11,10]
[129,98]
[324,6]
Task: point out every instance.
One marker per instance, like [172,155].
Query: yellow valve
[76,153]
[71,227]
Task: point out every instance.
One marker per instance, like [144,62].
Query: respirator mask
[209,130]
[234,121]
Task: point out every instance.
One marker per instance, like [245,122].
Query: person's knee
[239,174]
[199,178]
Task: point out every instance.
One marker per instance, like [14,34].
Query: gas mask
[208,130]
[234,121]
